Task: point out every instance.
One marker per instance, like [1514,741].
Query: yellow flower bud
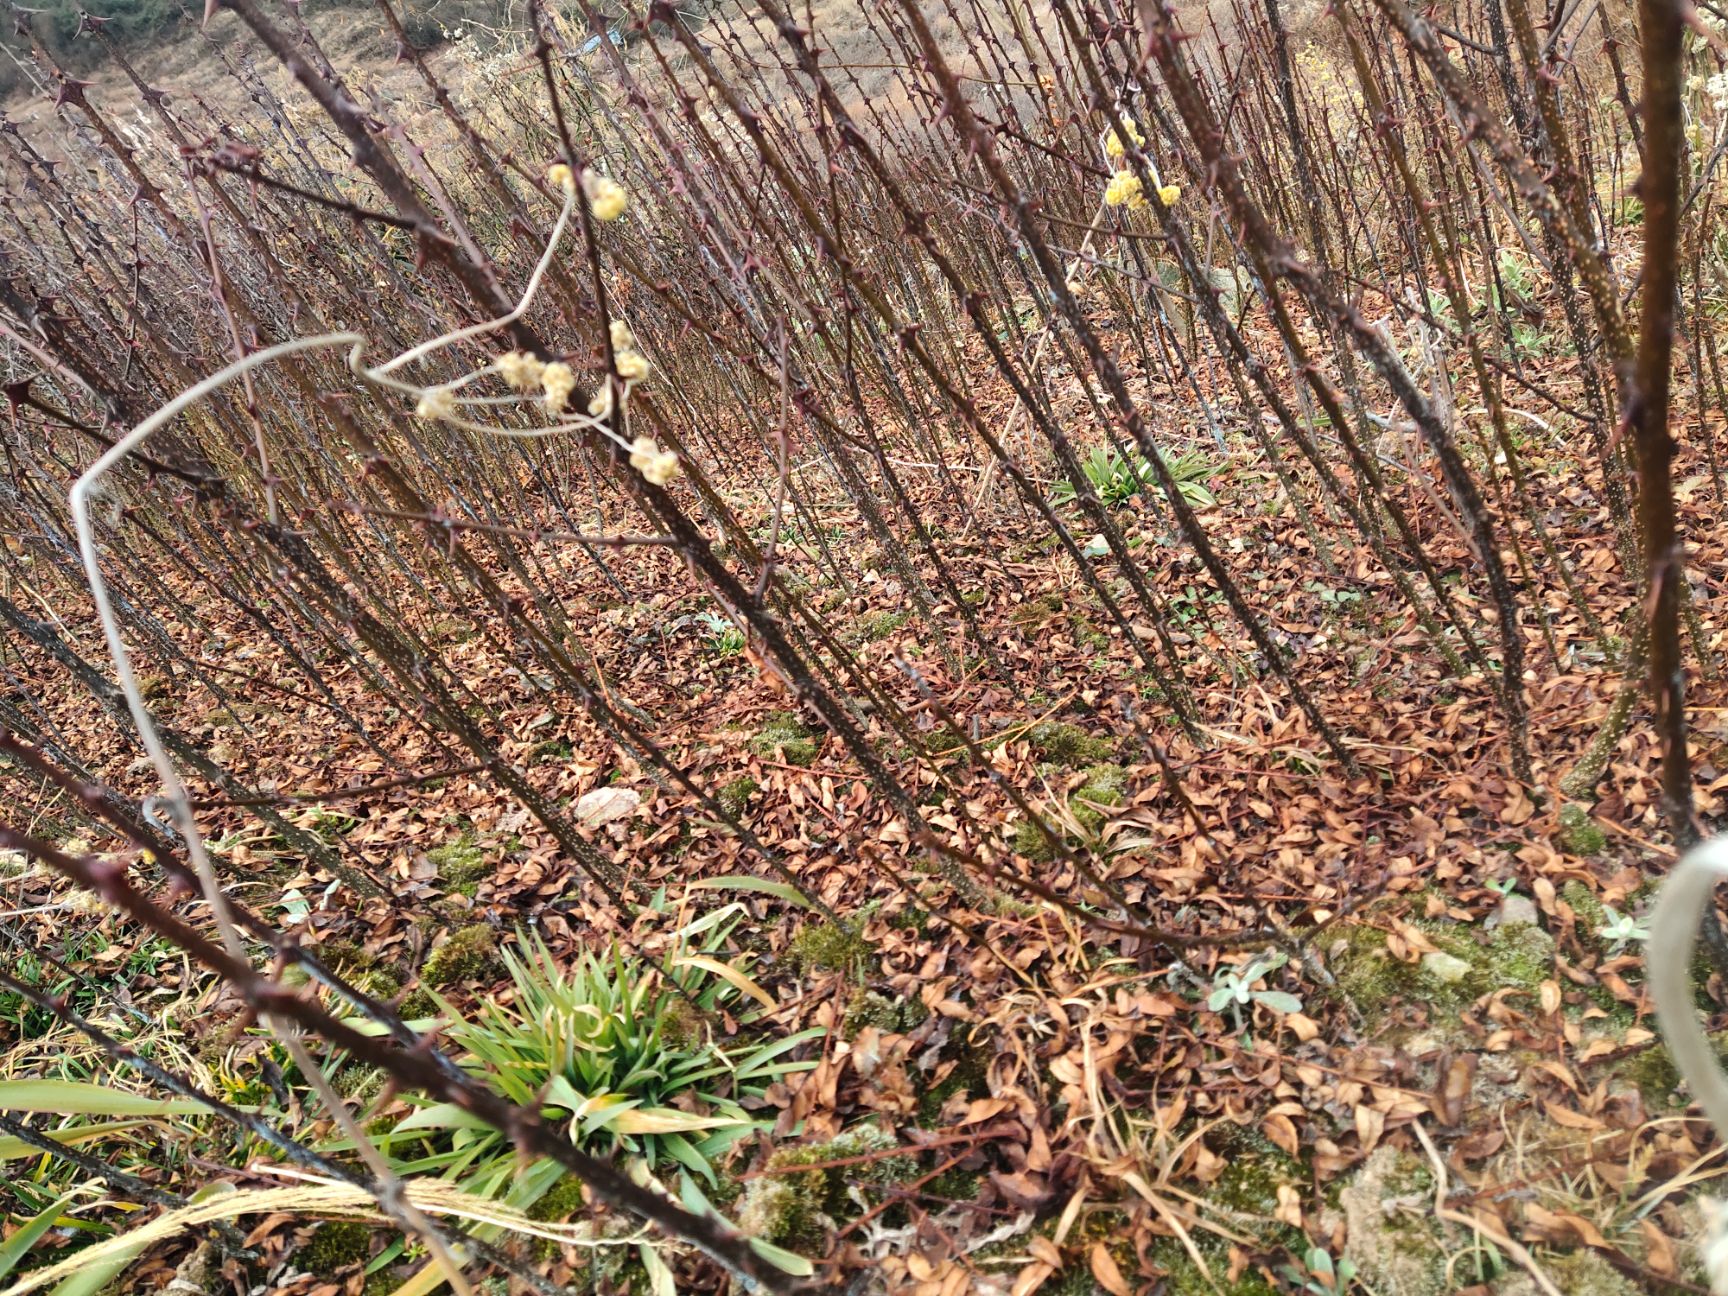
[560,175]
[1124,189]
[558,381]
[607,198]
[522,371]
[436,403]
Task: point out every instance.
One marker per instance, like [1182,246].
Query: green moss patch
[1470,964]
[969,1075]
[562,1200]
[1105,785]
[879,626]
[361,968]
[872,1008]
[1579,833]
[734,798]
[800,1195]
[469,955]
[1029,840]
[1068,744]
[786,734]
[1035,611]
[833,947]
[461,866]
[334,1246]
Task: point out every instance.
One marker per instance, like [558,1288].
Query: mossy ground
[461,866]
[879,626]
[968,1076]
[470,954]
[1088,807]
[734,798]
[1105,786]
[785,733]
[1520,956]
[833,947]
[1580,834]
[798,1197]
[361,968]
[1030,841]
[334,1246]
[872,1008]
[1068,744]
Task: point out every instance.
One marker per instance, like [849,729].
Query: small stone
[1515,909]
[604,804]
[1445,967]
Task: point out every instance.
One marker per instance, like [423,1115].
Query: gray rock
[1444,967]
[1515,909]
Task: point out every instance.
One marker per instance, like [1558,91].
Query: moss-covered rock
[1105,785]
[832,947]
[333,1246]
[1579,833]
[800,1195]
[1584,1273]
[1068,744]
[470,954]
[461,866]
[1390,1230]
[734,798]
[785,733]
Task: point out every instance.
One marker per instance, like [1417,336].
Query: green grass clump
[1068,744]
[787,734]
[469,955]
[631,1046]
